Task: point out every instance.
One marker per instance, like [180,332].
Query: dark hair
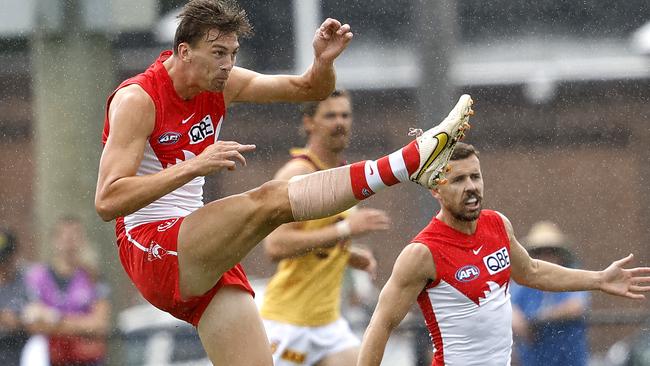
[463,151]
[309,108]
[7,244]
[199,16]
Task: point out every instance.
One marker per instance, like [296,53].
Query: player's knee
[273,199]
[270,191]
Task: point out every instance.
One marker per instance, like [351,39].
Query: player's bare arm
[545,276]
[289,240]
[119,191]
[413,269]
[316,83]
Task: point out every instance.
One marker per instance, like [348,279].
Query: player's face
[331,124]
[213,58]
[463,193]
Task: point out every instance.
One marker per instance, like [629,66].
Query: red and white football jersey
[183,129]
[467,308]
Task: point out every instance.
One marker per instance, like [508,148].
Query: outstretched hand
[331,39]
[626,282]
[221,154]
[363,259]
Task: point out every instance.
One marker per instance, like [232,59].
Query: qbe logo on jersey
[497,261]
[201,130]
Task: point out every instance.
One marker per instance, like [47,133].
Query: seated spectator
[549,328]
[72,308]
[13,298]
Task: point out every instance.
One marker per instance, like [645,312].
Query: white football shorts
[294,345]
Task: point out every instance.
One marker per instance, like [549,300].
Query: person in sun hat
[545,238]
[550,327]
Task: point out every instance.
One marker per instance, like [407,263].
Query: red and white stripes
[370,176]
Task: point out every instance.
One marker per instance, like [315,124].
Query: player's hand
[331,39]
[221,154]
[628,283]
[366,220]
[363,259]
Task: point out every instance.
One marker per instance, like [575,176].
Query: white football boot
[437,144]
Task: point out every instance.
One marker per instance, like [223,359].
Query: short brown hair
[310,108]
[199,16]
[463,151]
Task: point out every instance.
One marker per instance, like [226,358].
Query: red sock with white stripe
[370,176]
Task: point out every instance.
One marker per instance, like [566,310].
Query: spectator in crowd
[13,298]
[71,306]
[549,328]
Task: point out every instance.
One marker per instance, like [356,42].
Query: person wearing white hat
[549,328]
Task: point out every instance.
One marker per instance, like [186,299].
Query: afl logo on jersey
[169,138]
[467,273]
[202,130]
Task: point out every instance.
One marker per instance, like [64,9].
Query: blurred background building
[562,117]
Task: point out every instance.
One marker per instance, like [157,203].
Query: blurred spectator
[549,328]
[71,305]
[13,298]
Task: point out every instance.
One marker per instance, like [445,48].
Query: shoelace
[417,132]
